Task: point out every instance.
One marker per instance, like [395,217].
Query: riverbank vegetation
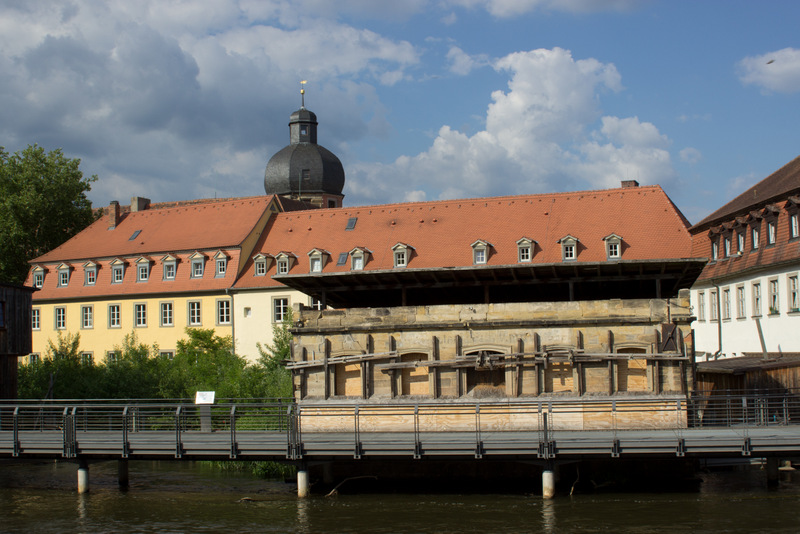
[203,361]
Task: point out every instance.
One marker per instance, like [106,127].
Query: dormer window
[38,277]
[613,246]
[358,258]
[142,270]
[63,275]
[117,271]
[401,253]
[90,273]
[316,259]
[480,252]
[794,226]
[569,248]
[261,263]
[197,263]
[221,264]
[714,250]
[754,237]
[771,233]
[525,250]
[726,244]
[285,261]
[740,242]
[170,264]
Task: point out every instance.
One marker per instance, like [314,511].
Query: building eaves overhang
[369,288]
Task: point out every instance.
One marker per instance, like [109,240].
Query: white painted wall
[781,330]
[253,317]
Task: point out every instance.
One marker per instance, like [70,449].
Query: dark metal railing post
[478,441]
[417,443]
[234,448]
[125,444]
[16,430]
[178,444]
[357,447]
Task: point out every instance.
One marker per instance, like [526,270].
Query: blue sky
[420,99]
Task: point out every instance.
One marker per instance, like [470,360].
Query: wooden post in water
[83,476]
[122,472]
[548,481]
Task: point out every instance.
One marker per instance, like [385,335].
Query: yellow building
[148,269]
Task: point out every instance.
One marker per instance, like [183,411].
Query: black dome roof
[303,167]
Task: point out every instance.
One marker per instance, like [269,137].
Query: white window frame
[568,251]
[315,264]
[712,295]
[771,233]
[223,312]
[60,322]
[280,309]
[757,299]
[714,250]
[774,296]
[112,356]
[87,358]
[755,237]
[726,304]
[114,316]
[63,277]
[400,259]
[794,226]
[793,292]
[221,267]
[170,270]
[701,306]
[524,252]
[87,317]
[726,243]
[36,318]
[260,268]
[741,302]
[166,314]
[739,242]
[140,315]
[283,266]
[195,311]
[90,276]
[38,278]
[479,255]
[142,272]
[315,304]
[117,274]
[197,268]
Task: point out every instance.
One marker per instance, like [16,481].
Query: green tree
[42,204]
[135,373]
[62,374]
[275,378]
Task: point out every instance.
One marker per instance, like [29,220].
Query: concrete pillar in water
[302,482]
[772,472]
[122,472]
[83,476]
[548,482]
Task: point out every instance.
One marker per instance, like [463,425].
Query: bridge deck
[735,427]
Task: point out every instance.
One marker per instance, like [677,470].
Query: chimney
[113,215]
[629,183]
[139,204]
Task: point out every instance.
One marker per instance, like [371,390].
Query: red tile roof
[179,229]
[780,184]
[165,228]
[441,232]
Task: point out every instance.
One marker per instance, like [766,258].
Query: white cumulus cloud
[777,71]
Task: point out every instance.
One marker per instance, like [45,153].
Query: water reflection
[184,498]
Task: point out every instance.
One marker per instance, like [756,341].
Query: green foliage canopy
[42,204]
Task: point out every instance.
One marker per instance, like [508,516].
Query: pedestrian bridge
[557,428]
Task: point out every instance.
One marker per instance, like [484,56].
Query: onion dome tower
[304,170]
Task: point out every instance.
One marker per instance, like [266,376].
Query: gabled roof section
[191,225]
[783,182]
[442,232]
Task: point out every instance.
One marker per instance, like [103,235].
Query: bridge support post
[302,481]
[772,472]
[83,476]
[548,481]
[122,472]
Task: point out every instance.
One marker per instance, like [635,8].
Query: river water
[184,497]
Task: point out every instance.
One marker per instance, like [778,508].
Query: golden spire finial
[303,93]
